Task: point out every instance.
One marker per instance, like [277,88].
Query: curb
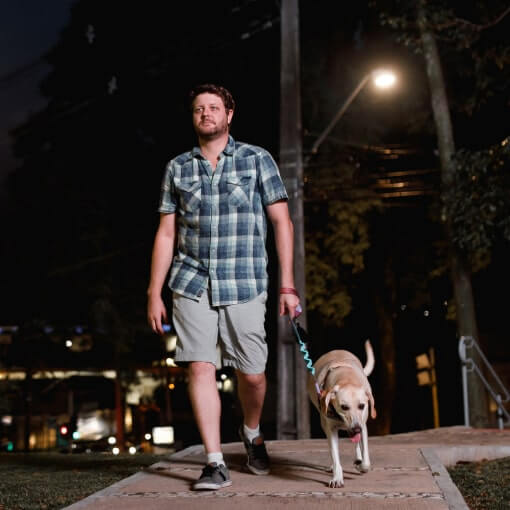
[440,474]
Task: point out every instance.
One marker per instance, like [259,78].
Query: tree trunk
[119,411]
[385,306]
[28,409]
[461,278]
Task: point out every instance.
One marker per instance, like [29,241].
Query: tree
[468,243]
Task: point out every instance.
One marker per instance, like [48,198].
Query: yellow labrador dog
[342,394]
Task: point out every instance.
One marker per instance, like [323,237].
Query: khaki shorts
[237,329]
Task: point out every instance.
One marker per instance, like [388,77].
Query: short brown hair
[218,90]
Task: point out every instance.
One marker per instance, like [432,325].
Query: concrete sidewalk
[408,472]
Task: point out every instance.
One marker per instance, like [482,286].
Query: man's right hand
[156,314]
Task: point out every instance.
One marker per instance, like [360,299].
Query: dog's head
[349,405]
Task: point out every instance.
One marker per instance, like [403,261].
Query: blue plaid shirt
[221,221]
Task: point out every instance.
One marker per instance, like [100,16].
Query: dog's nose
[356,429]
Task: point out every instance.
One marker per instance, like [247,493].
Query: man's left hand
[289,304]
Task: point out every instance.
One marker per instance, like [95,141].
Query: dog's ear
[373,412]
[326,396]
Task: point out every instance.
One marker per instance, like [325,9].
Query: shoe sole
[256,471]
[211,486]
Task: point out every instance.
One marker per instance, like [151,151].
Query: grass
[484,485]
[47,481]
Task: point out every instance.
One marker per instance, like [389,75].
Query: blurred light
[78,329]
[64,430]
[167,328]
[132,450]
[69,343]
[76,435]
[445,303]
[115,450]
[384,79]
[223,377]
[219,385]
[426,313]
[48,329]
[170,362]
[7,420]
[171,386]
[163,435]
[10,446]
[171,343]
[112,440]
[228,385]
[148,437]
[403,307]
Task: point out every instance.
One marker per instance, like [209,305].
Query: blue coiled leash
[299,333]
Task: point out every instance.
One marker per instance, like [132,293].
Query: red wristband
[289,290]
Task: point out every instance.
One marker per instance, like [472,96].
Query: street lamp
[382,78]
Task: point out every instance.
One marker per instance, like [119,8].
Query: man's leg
[252,391]
[205,402]
[196,325]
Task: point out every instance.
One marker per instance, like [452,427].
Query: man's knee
[197,369]
[252,380]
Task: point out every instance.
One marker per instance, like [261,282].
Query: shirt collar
[228,150]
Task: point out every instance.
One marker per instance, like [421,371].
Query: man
[214,201]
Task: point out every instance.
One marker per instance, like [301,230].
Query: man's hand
[288,304]
[156,314]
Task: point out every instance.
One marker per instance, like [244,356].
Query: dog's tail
[369,366]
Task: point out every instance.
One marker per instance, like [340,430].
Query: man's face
[210,118]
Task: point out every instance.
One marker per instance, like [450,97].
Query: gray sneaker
[258,459]
[213,477]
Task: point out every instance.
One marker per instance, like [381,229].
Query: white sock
[251,434]
[215,457]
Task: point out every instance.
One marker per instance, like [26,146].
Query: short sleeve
[272,188]
[167,201]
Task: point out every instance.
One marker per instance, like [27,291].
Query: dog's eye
[344,407]
[361,407]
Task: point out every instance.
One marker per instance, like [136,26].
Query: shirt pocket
[240,187]
[190,193]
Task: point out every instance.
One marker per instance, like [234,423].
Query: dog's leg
[358,460]
[364,467]
[338,475]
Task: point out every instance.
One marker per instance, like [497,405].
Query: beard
[211,131]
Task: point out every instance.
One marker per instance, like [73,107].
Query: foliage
[477,201]
[335,254]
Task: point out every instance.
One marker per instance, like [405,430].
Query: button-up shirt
[221,222]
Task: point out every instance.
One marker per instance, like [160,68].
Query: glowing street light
[382,79]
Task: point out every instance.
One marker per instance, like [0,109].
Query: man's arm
[278,214]
[162,255]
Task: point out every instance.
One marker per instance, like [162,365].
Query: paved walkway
[408,472]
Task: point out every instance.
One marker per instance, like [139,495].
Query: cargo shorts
[237,329]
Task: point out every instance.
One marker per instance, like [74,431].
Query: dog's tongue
[356,438]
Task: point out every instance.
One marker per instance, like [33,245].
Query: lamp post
[382,79]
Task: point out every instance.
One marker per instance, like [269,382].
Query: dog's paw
[336,483]
[362,468]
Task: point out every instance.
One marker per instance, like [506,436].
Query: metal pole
[499,412]
[293,407]
[336,118]
[433,387]
[462,355]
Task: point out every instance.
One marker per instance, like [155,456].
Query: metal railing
[469,365]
